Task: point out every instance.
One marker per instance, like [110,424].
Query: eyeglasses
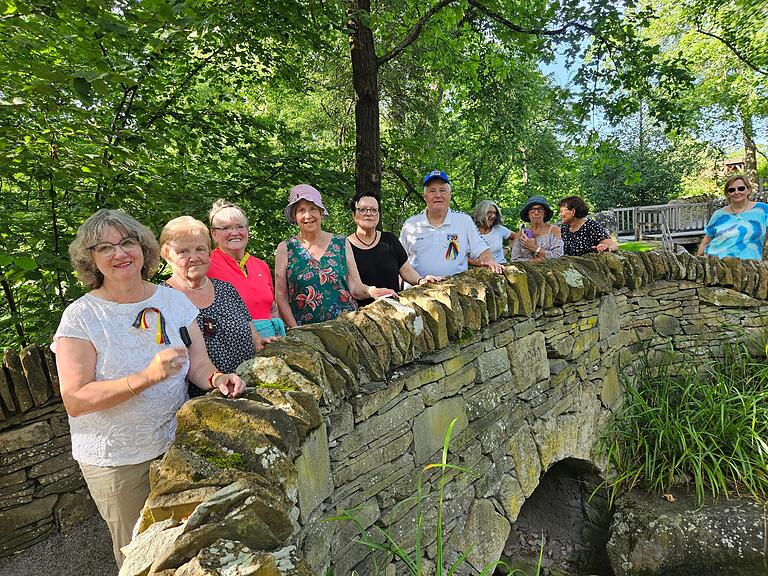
[127,244]
[371,211]
[536,209]
[228,229]
[733,189]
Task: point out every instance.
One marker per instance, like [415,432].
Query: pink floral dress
[318,289]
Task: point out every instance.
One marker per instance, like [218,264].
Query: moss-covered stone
[517,282]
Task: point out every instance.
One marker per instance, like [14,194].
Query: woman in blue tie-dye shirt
[738,229]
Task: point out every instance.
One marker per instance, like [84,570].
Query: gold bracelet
[131,390]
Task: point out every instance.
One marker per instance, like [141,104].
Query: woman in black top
[581,234]
[380,258]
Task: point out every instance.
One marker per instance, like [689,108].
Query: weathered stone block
[517,283]
[12,479]
[369,460]
[485,533]
[430,426]
[511,497]
[465,355]
[35,511]
[611,391]
[651,536]
[725,298]
[143,549]
[419,375]
[492,363]
[25,437]
[55,464]
[522,447]
[608,316]
[342,421]
[371,398]
[73,509]
[528,360]
[18,380]
[65,480]
[448,386]
[32,362]
[37,453]
[666,325]
[313,472]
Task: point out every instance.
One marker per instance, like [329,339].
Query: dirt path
[85,551]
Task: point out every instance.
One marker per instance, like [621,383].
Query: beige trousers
[119,493]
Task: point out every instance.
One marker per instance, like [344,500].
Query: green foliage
[382,541]
[693,421]
[639,166]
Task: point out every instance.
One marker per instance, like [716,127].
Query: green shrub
[685,420]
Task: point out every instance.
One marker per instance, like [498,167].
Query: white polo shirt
[441,250]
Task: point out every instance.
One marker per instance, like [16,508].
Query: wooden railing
[681,219]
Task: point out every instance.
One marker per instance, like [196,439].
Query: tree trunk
[366,84]
[750,149]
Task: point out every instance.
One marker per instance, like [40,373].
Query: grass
[688,422]
[637,246]
[413,561]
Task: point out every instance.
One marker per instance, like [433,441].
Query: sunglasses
[733,189]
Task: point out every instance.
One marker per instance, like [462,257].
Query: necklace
[203,285]
[375,235]
[742,209]
[183,287]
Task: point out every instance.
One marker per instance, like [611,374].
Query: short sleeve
[72,325]
[397,247]
[710,229]
[404,237]
[505,232]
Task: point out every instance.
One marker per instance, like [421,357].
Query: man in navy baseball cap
[439,241]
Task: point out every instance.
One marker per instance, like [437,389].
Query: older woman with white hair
[223,317]
[232,263]
[487,217]
[124,352]
[315,271]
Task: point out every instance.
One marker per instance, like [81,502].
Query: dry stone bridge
[345,414]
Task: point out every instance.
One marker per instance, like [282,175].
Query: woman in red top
[250,276]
